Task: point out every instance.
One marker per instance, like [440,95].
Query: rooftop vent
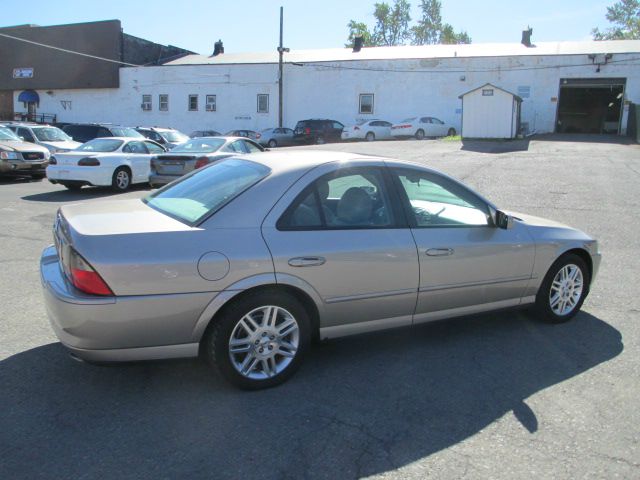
[357,43]
[526,37]
[218,48]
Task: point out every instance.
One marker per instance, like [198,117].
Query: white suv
[52,138]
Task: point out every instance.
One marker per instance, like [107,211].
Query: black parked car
[317,131]
[83,132]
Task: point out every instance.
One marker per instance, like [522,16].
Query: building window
[193,103]
[146,103]
[211,103]
[263,103]
[487,92]
[366,103]
[524,91]
[163,102]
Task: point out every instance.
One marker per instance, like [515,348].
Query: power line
[69,51]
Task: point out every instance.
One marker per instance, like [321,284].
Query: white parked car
[421,127]
[369,130]
[117,162]
[52,138]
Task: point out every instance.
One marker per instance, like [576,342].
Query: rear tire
[121,180]
[451,132]
[420,134]
[563,290]
[269,331]
[370,137]
[272,143]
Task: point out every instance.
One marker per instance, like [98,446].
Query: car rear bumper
[73,174]
[119,328]
[157,179]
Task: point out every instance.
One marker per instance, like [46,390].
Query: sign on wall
[23,72]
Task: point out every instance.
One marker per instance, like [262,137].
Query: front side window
[201,194]
[153,147]
[251,147]
[437,202]
[263,103]
[193,103]
[347,199]
[135,147]
[163,102]
[366,103]
[211,103]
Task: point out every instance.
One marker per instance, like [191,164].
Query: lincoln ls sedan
[249,259]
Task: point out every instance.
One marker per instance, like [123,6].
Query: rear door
[465,261]
[339,231]
[138,157]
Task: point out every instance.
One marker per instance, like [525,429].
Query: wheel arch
[302,292]
[584,255]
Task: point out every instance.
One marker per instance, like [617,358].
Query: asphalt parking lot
[496,396]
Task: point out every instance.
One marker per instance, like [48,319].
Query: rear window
[206,191]
[100,145]
[125,132]
[200,145]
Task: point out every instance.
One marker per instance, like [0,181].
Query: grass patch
[452,138]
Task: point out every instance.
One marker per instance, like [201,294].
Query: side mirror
[503,220]
[21,138]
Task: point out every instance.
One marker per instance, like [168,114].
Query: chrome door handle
[306,261]
[439,252]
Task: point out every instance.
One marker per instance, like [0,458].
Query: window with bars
[193,103]
[263,103]
[163,102]
[146,103]
[211,103]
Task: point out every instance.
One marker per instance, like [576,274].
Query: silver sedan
[247,260]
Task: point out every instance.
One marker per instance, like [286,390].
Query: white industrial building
[564,86]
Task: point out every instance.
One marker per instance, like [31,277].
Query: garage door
[590,105]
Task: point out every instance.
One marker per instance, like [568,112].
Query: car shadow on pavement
[359,406]
[85,193]
[495,146]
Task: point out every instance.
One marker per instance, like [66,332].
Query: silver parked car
[276,137]
[196,153]
[254,256]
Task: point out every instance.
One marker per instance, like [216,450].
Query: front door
[466,263]
[341,233]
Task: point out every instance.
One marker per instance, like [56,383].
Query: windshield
[125,132]
[200,145]
[174,136]
[50,134]
[6,134]
[207,190]
[100,145]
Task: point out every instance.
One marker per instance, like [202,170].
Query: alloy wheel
[566,289]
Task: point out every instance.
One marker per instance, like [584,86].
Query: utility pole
[281,51]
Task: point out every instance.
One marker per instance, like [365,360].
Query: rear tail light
[258,135]
[53,160]
[84,277]
[201,162]
[89,162]
[356,128]
[307,131]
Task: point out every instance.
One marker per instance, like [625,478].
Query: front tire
[121,180]
[563,289]
[420,134]
[370,137]
[259,341]
[272,143]
[451,132]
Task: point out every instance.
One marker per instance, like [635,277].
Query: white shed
[490,112]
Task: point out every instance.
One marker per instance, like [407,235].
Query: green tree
[625,16]
[430,29]
[392,23]
[359,29]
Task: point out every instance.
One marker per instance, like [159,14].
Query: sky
[253,25]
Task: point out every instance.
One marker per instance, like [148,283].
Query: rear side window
[346,199]
[204,192]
